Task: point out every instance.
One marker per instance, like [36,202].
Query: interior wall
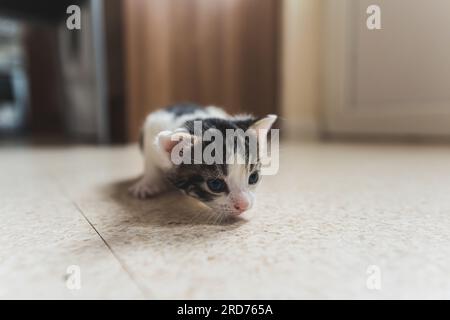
[222,52]
[115,60]
[45,115]
[300,68]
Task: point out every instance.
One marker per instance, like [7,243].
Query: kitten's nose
[241,205]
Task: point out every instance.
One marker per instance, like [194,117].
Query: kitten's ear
[262,128]
[264,123]
[166,141]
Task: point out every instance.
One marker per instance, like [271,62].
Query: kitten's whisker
[217,219]
[195,217]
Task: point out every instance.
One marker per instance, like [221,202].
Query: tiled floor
[333,211]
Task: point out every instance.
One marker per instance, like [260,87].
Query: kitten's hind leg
[148,186]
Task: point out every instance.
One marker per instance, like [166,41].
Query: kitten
[227,188]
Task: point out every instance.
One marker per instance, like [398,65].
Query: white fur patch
[164,121]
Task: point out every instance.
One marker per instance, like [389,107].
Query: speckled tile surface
[331,212]
[42,234]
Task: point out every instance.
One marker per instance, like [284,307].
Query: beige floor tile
[331,212]
[42,233]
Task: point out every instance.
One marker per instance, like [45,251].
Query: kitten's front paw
[143,190]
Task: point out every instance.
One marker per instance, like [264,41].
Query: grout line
[143,290]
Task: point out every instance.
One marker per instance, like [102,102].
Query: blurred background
[315,63]
[72,100]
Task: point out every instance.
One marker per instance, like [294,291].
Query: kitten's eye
[254,177]
[216,185]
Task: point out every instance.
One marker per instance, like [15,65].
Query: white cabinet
[392,81]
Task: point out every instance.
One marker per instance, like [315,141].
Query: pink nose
[241,205]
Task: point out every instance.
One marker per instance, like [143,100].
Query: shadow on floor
[168,210]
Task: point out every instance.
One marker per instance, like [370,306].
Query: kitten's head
[224,186]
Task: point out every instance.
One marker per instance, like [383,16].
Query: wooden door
[221,52]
